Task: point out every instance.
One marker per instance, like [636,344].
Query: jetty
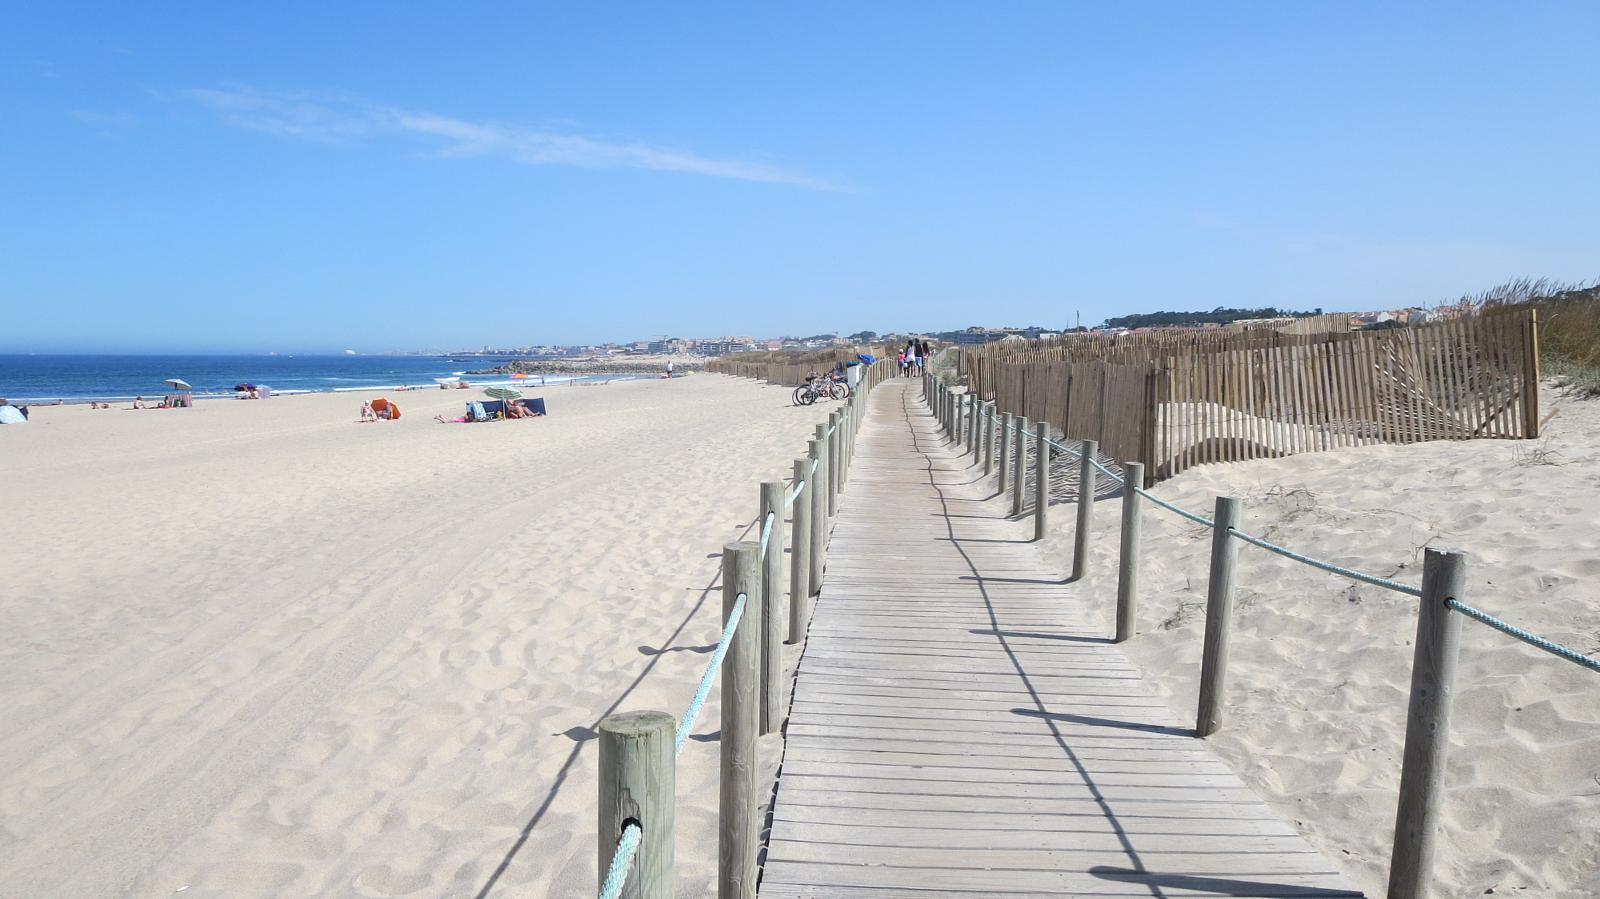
[958,728]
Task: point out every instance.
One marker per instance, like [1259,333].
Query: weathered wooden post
[835,450]
[637,786]
[975,428]
[1422,769]
[800,554]
[772,618]
[1087,477]
[1005,452]
[1128,558]
[988,439]
[819,510]
[1219,618]
[1041,479]
[1019,467]
[738,824]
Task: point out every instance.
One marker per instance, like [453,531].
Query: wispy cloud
[345,118]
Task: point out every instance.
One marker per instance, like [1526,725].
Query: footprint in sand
[496,678]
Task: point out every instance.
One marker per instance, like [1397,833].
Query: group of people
[913,357]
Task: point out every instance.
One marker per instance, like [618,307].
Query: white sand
[1320,666]
[257,649]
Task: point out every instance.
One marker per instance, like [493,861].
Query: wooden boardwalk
[958,730]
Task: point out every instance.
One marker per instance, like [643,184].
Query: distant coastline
[597,365]
[69,379]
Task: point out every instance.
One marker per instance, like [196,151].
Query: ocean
[81,379]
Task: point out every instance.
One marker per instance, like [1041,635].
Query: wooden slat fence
[789,368]
[1198,399]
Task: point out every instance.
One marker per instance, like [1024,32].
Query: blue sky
[305,176]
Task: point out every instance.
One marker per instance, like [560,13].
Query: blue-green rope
[794,494]
[766,532]
[1107,472]
[1198,519]
[1329,567]
[1555,649]
[1064,449]
[621,861]
[686,724]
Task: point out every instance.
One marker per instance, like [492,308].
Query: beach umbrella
[178,384]
[503,393]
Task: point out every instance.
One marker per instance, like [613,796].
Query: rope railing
[1329,567]
[1436,645]
[750,646]
[686,723]
[622,861]
[1532,639]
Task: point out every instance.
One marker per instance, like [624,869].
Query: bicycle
[820,387]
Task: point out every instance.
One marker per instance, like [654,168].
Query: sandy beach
[258,649]
[1320,666]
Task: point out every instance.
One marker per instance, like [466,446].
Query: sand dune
[1320,666]
[258,649]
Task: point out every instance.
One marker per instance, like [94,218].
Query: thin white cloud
[344,118]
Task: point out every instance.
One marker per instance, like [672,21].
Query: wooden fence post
[1433,672]
[772,617]
[1088,476]
[1219,615]
[975,428]
[1005,452]
[738,825]
[1041,479]
[988,439]
[800,553]
[637,785]
[819,510]
[1128,559]
[1019,467]
[835,435]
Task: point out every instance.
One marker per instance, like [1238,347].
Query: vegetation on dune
[1569,326]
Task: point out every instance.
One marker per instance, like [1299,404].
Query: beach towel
[475,412]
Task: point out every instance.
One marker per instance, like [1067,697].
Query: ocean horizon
[81,378]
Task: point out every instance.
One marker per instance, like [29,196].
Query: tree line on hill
[1221,315]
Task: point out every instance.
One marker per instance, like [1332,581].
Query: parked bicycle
[819,386]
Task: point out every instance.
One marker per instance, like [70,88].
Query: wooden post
[988,439]
[800,554]
[974,427]
[1005,452]
[960,418]
[1422,770]
[1219,614]
[835,435]
[738,824]
[637,785]
[819,509]
[1128,560]
[1087,477]
[1041,479]
[1019,467]
[772,617]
